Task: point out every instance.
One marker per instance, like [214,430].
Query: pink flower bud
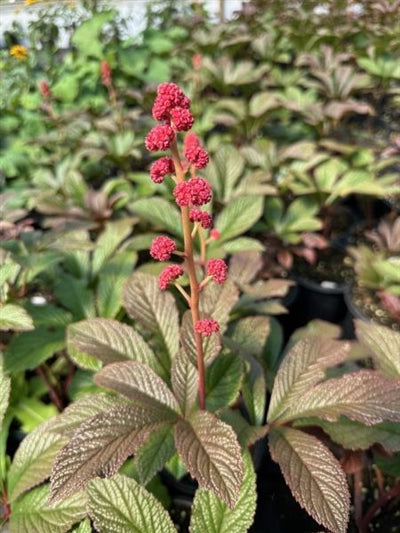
[162,247]
[161,168]
[182,119]
[194,152]
[170,273]
[159,138]
[218,269]
[44,89]
[206,326]
[196,191]
[215,234]
[205,219]
[105,71]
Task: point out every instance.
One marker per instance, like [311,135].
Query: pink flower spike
[205,219]
[105,71]
[170,273]
[174,94]
[159,138]
[218,269]
[206,326]
[44,89]
[182,119]
[161,168]
[162,247]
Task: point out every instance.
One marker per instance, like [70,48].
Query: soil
[367,303]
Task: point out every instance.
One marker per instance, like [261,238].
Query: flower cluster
[206,326]
[44,89]
[196,191]
[170,273]
[161,168]
[205,219]
[194,152]
[217,269]
[105,72]
[162,247]
[19,51]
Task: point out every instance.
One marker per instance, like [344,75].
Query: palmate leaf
[153,455]
[210,514]
[141,385]
[15,318]
[184,377]
[32,514]
[212,455]
[109,341]
[303,367]
[353,435]
[313,475]
[365,396]
[100,446]
[249,335]
[120,504]
[33,460]
[384,345]
[154,309]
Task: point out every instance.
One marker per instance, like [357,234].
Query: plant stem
[357,496]
[193,282]
[55,398]
[376,506]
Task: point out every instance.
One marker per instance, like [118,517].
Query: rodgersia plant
[172,382]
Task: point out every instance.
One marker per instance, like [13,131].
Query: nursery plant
[183,386]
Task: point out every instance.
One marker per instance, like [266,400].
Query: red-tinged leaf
[100,446]
[366,396]
[141,385]
[313,475]
[109,341]
[304,366]
[153,308]
[244,266]
[384,345]
[212,455]
[184,377]
[217,301]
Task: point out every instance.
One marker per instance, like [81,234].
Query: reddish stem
[55,398]
[376,506]
[193,282]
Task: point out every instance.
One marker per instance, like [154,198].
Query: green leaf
[111,280]
[384,345]
[155,310]
[313,475]
[303,367]
[15,318]
[121,504]
[109,341]
[33,460]
[210,514]
[75,295]
[31,412]
[100,446]
[212,455]
[244,267]
[153,455]
[184,379]
[32,514]
[248,335]
[254,391]
[83,527]
[239,216]
[5,384]
[354,435]
[87,36]
[109,240]
[141,385]
[365,396]
[160,213]
[229,166]
[30,349]
[241,244]
[223,379]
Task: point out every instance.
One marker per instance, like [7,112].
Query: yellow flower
[30,2]
[19,52]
